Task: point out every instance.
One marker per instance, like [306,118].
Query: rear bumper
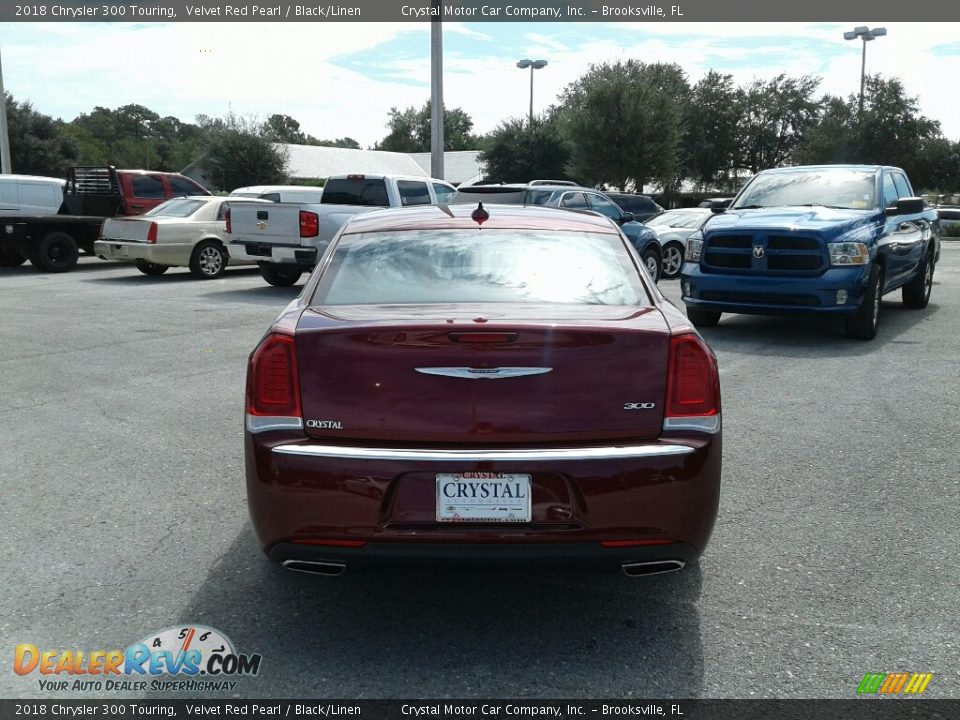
[167,254]
[771,294]
[651,501]
[291,255]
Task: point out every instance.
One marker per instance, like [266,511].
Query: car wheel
[209,260]
[11,257]
[149,268]
[863,324]
[277,277]
[56,252]
[652,261]
[916,293]
[672,260]
[702,318]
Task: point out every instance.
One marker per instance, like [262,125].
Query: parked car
[281,193]
[642,207]
[464,382]
[52,239]
[826,240]
[183,232]
[673,228]
[579,199]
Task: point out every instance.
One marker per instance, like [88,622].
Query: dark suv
[642,207]
[575,198]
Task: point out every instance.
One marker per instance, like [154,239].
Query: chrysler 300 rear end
[513,388]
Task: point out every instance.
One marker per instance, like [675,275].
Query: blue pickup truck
[825,239]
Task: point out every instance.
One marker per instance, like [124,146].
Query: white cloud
[297,68]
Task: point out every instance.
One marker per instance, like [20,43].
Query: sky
[341,79]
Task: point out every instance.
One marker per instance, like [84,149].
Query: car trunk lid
[485,374]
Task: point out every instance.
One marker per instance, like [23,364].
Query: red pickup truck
[52,243]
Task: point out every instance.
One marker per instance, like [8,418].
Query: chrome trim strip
[263,423]
[483,373]
[483,455]
[704,423]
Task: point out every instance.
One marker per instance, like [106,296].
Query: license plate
[483,497]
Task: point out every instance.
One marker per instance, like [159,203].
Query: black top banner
[474,11]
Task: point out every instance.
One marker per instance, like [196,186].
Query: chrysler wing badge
[483,373]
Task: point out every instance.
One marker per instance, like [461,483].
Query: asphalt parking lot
[124,513]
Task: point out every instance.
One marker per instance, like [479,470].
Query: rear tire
[863,324]
[916,293]
[208,261]
[11,257]
[672,259]
[703,318]
[277,277]
[56,252]
[149,268]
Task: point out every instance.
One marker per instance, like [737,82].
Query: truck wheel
[702,318]
[916,293]
[149,268]
[278,277]
[208,261]
[672,259]
[11,257]
[56,252]
[653,262]
[862,325]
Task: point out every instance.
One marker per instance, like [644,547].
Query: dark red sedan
[492,383]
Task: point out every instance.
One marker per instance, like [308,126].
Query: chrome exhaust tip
[316,567]
[657,567]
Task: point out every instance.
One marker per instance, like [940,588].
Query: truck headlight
[848,253]
[694,245]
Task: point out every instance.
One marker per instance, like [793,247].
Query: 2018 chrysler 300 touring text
[463,383]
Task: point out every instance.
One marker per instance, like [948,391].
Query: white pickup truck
[285,239]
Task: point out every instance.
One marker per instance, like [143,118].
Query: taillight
[100,233]
[226,216]
[693,382]
[152,233]
[272,385]
[309,224]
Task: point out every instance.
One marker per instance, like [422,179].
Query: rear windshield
[836,187]
[370,192]
[176,208]
[481,266]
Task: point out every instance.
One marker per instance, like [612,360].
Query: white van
[30,195]
[281,193]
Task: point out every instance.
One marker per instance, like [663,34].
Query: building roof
[461,166]
[316,161]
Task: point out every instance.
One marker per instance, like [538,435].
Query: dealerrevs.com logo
[191,659]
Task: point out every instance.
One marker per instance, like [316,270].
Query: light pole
[533,65]
[864,34]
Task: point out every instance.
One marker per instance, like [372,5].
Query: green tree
[710,137]
[517,151]
[774,116]
[410,130]
[237,154]
[283,129]
[38,145]
[623,123]
[344,142]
